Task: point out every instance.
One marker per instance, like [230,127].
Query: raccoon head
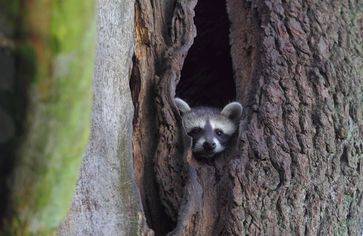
[210,128]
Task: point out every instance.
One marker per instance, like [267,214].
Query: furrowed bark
[159,55]
[295,167]
[302,134]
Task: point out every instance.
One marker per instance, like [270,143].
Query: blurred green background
[46,64]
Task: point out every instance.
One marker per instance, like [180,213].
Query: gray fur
[232,110]
[209,121]
[182,105]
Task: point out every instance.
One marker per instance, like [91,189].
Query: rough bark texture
[164,33]
[296,166]
[301,138]
[106,201]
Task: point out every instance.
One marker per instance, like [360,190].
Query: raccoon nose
[209,146]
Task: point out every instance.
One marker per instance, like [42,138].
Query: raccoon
[210,128]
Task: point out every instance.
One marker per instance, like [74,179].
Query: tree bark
[106,201]
[303,128]
[294,168]
[296,165]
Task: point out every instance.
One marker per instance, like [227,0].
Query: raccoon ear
[182,105]
[233,111]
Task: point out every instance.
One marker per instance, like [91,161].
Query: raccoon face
[210,128]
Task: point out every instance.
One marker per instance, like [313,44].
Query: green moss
[58,119]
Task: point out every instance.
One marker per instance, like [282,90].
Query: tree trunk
[106,201]
[295,167]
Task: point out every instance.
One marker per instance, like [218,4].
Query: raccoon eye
[219,132]
[196,130]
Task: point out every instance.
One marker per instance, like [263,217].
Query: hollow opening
[206,79]
[207,75]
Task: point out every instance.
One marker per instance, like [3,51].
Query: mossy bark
[54,50]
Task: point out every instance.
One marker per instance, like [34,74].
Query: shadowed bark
[296,165]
